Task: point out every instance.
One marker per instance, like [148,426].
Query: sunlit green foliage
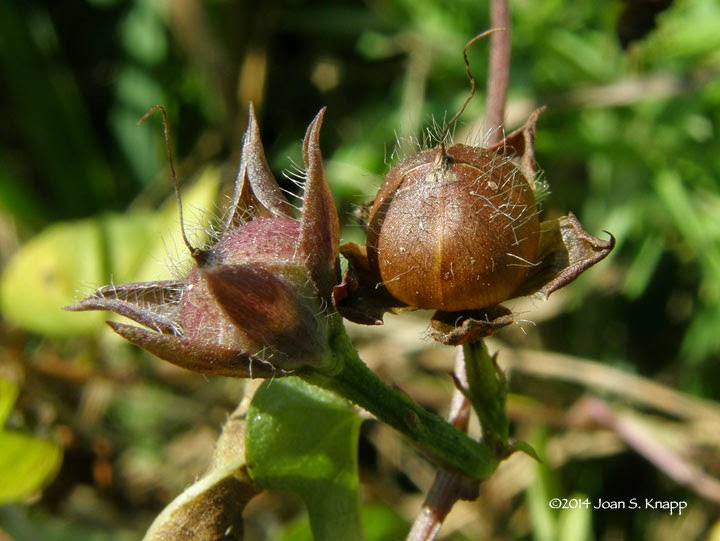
[27,463]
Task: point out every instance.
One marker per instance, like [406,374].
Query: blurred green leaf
[46,273]
[302,439]
[26,463]
[642,268]
[380,521]
[143,34]
[571,522]
[575,523]
[8,395]
[52,117]
[677,40]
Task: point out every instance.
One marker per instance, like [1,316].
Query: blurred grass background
[629,143]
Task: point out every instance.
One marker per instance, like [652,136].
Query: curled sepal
[319,226]
[153,304]
[457,328]
[210,359]
[257,193]
[565,251]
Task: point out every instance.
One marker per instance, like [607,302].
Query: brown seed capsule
[457,230]
[454,228]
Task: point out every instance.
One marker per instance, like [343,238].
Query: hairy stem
[487,390]
[440,440]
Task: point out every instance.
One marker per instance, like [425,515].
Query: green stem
[487,391]
[444,443]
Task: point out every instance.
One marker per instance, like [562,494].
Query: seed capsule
[454,228]
[257,302]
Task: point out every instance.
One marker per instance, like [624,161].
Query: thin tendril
[470,77]
[168,145]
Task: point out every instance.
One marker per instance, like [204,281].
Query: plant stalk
[498,70]
[441,441]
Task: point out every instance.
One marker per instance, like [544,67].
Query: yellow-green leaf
[70,259]
[26,463]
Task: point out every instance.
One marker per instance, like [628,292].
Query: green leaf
[543,518]
[8,395]
[303,439]
[381,524]
[575,523]
[47,272]
[643,266]
[554,516]
[526,448]
[26,463]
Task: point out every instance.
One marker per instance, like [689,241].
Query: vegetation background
[629,143]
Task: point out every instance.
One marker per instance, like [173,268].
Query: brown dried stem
[498,70]
[642,440]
